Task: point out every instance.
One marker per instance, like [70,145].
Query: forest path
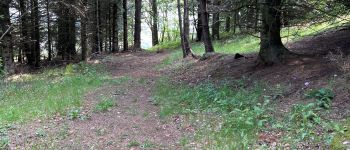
[133,123]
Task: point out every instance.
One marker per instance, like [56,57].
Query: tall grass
[27,97]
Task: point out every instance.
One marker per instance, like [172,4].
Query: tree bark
[186,30]
[83,32]
[155,39]
[115,41]
[36,34]
[125,26]
[137,32]
[272,49]
[6,41]
[181,28]
[206,35]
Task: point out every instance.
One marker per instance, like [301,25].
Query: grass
[227,117]
[338,142]
[244,44]
[32,96]
[105,105]
[230,115]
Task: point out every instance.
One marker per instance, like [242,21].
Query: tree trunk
[186,30]
[137,32]
[199,28]
[66,32]
[216,22]
[36,34]
[115,41]
[228,24]
[155,39]
[206,35]
[25,38]
[49,47]
[6,41]
[181,28]
[83,32]
[272,49]
[125,26]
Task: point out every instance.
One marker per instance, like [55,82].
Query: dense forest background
[174,74]
[37,31]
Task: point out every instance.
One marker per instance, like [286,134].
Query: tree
[186,30]
[35,35]
[205,24]
[66,30]
[49,47]
[125,25]
[137,32]
[272,49]
[6,38]
[24,34]
[155,39]
[83,30]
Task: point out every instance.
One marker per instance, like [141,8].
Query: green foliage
[226,116]
[341,137]
[31,96]
[133,144]
[166,46]
[323,97]
[105,105]
[4,139]
[74,114]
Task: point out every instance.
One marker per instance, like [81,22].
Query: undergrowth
[26,97]
[231,115]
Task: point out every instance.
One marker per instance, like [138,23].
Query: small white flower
[307,83]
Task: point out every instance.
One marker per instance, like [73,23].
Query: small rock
[346,143]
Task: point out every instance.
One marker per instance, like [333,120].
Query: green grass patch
[342,140]
[105,105]
[228,117]
[243,44]
[27,97]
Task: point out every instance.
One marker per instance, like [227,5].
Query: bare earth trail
[132,124]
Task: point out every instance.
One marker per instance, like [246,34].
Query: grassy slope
[44,94]
[244,119]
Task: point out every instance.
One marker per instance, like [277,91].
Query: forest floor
[133,120]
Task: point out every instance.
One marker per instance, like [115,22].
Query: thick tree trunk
[206,35]
[272,49]
[66,32]
[155,39]
[137,32]
[186,30]
[36,34]
[180,26]
[125,26]
[6,41]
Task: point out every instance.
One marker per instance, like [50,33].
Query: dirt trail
[132,124]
